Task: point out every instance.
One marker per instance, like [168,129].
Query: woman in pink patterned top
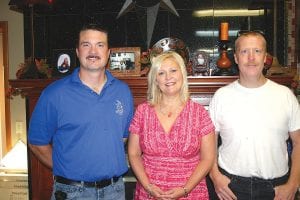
[172,143]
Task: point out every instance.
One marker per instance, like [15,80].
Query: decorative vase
[224,62]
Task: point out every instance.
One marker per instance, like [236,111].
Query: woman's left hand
[173,194]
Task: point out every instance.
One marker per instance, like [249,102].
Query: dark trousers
[251,188]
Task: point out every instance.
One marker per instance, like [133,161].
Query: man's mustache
[91,56]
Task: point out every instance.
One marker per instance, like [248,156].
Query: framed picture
[63,62]
[125,61]
[200,63]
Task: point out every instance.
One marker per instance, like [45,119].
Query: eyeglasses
[247,32]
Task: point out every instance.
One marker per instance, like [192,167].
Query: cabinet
[14,186]
[40,177]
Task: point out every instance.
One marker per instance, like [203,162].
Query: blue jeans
[115,191]
[253,188]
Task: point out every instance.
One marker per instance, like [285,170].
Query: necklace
[169,113]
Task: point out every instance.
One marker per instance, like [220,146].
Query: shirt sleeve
[206,125]
[213,110]
[135,126]
[130,114]
[294,123]
[43,122]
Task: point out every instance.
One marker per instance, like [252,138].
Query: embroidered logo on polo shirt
[119,107]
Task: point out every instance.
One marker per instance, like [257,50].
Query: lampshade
[16,159]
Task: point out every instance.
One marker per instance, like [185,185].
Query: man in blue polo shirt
[79,122]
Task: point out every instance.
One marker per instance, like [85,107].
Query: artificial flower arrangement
[34,69]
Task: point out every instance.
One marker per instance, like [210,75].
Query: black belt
[275,181]
[97,184]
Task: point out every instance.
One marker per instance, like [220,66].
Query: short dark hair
[92,26]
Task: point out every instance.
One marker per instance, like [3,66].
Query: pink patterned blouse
[170,158]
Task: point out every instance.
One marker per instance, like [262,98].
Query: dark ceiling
[52,7]
[56,22]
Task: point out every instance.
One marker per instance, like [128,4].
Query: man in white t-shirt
[255,117]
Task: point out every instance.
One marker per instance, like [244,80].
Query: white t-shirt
[254,124]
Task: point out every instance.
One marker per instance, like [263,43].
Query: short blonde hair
[154,93]
[250,34]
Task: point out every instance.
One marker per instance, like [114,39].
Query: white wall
[16,56]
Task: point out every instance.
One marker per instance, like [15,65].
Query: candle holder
[224,63]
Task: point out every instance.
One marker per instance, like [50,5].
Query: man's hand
[285,192]
[221,187]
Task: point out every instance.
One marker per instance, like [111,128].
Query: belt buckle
[105,183]
[100,184]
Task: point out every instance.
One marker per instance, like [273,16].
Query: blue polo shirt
[86,129]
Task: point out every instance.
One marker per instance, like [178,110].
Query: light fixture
[214,33]
[227,13]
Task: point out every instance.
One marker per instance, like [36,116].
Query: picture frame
[63,62]
[200,63]
[125,61]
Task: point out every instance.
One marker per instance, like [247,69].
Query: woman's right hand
[155,192]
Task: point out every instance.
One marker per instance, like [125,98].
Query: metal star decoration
[147,13]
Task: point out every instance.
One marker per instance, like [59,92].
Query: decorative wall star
[147,13]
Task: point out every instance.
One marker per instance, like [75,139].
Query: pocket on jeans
[269,185]
[119,185]
[233,180]
[70,190]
